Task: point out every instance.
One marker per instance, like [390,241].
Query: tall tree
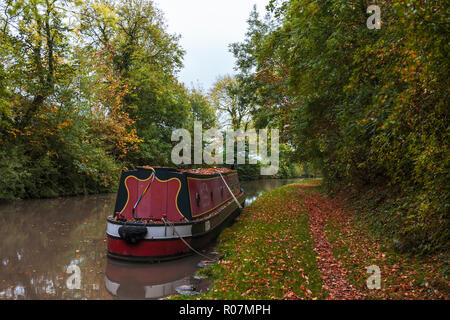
[368,104]
[36,46]
[231,109]
[148,58]
[86,88]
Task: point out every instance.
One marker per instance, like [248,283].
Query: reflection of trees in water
[40,239]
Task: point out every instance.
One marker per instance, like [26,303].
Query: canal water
[56,249]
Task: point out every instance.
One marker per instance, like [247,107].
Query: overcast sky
[207,27]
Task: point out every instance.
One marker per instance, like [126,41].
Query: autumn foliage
[86,89]
[369,107]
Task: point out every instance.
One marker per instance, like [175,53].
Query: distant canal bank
[43,239]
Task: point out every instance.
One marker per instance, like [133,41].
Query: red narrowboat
[164,213]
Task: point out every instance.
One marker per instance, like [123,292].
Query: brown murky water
[56,249]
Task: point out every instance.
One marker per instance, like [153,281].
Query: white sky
[207,27]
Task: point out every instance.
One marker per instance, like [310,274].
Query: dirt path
[320,209]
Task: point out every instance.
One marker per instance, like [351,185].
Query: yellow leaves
[14,132]
[64,124]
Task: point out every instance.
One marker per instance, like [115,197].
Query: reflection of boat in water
[126,280]
[163,213]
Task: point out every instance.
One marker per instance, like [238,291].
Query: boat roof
[207,171]
[197,171]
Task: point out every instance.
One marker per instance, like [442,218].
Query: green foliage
[370,106]
[233,102]
[86,89]
[228,100]
[14,175]
[147,58]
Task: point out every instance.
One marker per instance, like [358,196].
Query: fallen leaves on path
[319,210]
[345,274]
[294,243]
[268,253]
[402,276]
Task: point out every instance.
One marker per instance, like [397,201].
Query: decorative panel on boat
[160,200]
[206,194]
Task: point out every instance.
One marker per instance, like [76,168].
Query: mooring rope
[232,194]
[143,193]
[166,222]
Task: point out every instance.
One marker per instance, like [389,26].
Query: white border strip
[154,232]
[166,231]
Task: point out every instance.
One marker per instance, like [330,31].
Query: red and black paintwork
[198,207]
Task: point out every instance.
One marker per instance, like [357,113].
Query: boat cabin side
[151,194]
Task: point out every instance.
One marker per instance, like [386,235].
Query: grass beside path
[295,243]
[267,253]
